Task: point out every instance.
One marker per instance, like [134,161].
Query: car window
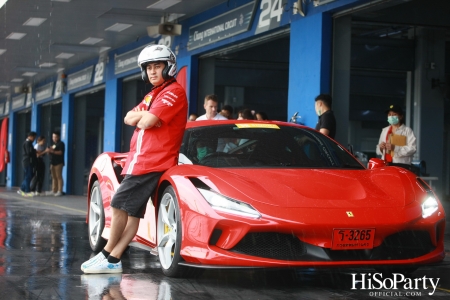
[262,145]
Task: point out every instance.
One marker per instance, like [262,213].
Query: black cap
[395,108]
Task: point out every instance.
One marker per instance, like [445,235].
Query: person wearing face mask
[203,149]
[395,154]
[327,122]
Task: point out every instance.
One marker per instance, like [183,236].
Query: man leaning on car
[161,116]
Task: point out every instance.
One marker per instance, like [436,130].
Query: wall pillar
[342,40]
[310,65]
[67,128]
[113,115]
[35,118]
[428,125]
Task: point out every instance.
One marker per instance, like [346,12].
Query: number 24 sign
[270,16]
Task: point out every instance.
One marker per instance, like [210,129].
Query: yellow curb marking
[40,202]
[441,289]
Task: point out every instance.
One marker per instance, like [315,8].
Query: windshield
[257,145]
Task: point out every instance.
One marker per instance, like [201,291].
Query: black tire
[169,236]
[96,221]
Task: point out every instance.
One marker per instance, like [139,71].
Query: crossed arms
[143,119]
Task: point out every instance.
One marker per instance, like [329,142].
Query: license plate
[350,239]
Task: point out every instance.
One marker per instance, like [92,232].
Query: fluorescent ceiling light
[2,2]
[2,51]
[17,80]
[4,86]
[173,17]
[75,48]
[34,21]
[91,41]
[64,55]
[118,27]
[47,65]
[103,49]
[16,36]
[163,4]
[60,69]
[30,74]
[62,0]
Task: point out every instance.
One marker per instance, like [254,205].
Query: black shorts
[134,192]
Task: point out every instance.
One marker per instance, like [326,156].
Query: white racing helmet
[154,53]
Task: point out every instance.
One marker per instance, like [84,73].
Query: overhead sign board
[44,92]
[271,12]
[221,27]
[18,101]
[127,61]
[99,72]
[79,78]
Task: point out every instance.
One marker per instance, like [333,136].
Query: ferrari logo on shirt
[350,214]
[148,99]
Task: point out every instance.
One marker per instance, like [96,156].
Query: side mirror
[376,163]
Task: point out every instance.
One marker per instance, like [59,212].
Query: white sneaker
[104,267]
[58,194]
[99,257]
[49,193]
[37,194]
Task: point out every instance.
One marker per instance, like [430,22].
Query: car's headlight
[222,203]
[429,206]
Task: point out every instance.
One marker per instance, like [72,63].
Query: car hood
[387,187]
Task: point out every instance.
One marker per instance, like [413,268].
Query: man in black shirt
[29,160]
[56,163]
[327,121]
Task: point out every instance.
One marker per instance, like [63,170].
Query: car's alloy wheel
[96,219]
[169,237]
[168,229]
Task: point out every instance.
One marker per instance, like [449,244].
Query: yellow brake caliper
[166,230]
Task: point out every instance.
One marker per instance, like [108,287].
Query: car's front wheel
[169,234]
[96,219]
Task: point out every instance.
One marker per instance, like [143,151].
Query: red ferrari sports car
[273,194]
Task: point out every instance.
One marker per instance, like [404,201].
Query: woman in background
[395,154]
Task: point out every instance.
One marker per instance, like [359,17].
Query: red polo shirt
[156,149]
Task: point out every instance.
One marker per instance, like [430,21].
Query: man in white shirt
[211,102]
